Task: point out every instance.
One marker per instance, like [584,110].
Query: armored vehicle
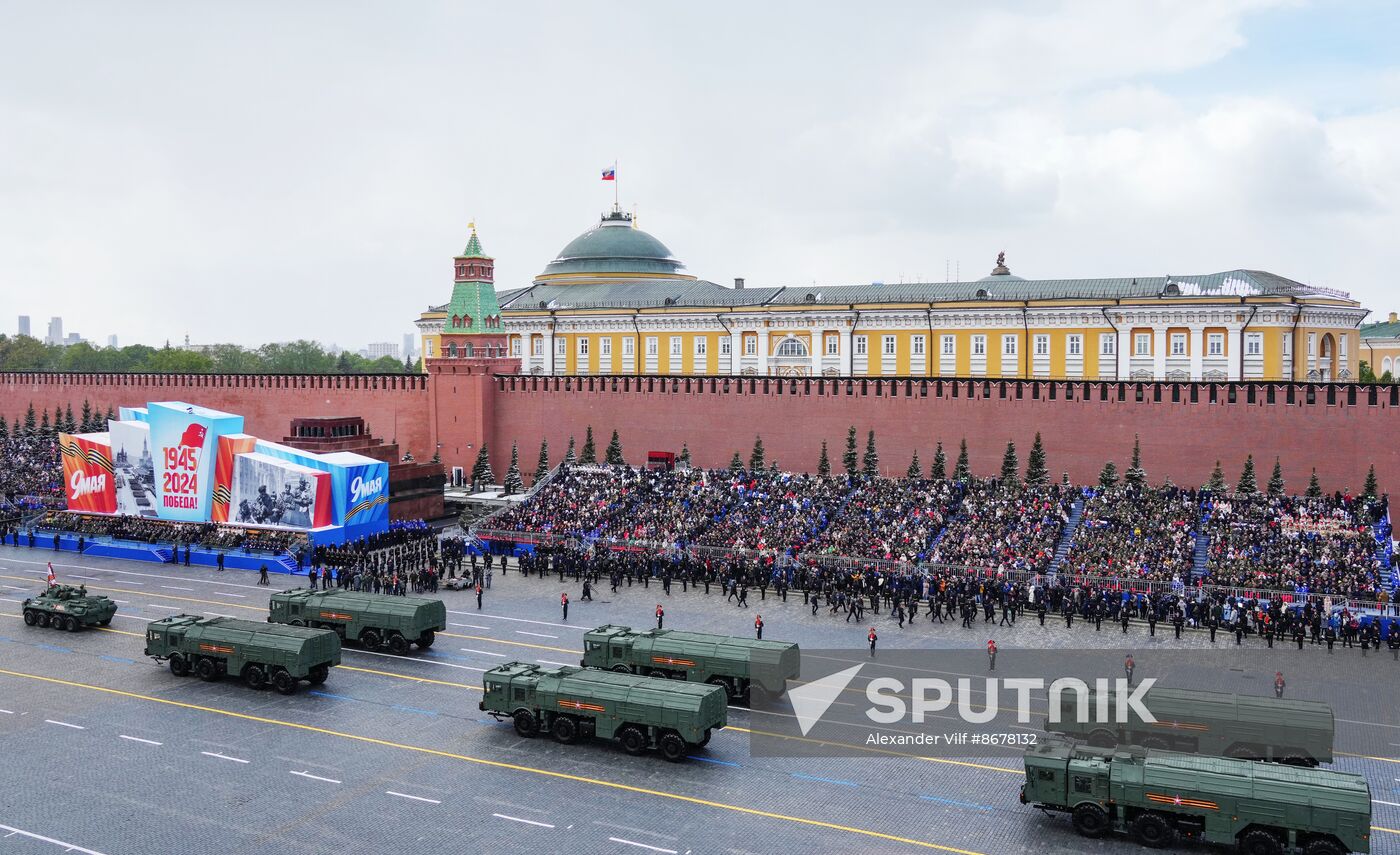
[700,657]
[574,703]
[374,620]
[68,607]
[258,653]
[1216,723]
[1161,796]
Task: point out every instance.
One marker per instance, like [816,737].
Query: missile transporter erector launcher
[574,703]
[260,654]
[372,620]
[69,608]
[1161,796]
[739,665]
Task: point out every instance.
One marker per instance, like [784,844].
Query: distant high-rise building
[408,345]
[71,338]
[24,325]
[378,349]
[55,331]
[111,341]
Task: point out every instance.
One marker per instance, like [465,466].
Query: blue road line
[331,696]
[825,780]
[956,803]
[401,708]
[44,645]
[6,638]
[713,760]
[122,659]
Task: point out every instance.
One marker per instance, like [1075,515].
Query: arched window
[791,347]
[469,349]
[1385,365]
[452,350]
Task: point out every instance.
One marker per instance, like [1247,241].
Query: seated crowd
[1146,532]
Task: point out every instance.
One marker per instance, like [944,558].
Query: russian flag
[610,174]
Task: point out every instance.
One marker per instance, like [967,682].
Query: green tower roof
[472,300]
[473,249]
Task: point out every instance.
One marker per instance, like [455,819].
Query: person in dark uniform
[220,562]
[991,655]
[1331,637]
[1177,622]
[1151,622]
[1040,611]
[587,592]
[1392,640]
[187,555]
[1123,619]
[758,627]
[1298,636]
[1128,666]
[872,638]
[1211,625]
[564,604]
[1279,684]
[262,575]
[660,616]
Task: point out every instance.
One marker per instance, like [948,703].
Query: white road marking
[80,576]
[231,594]
[159,606]
[11,712]
[548,662]
[482,652]
[643,845]
[223,756]
[316,777]
[1379,802]
[518,819]
[68,847]
[220,614]
[414,659]
[415,798]
[123,602]
[176,588]
[139,739]
[536,634]
[64,724]
[468,625]
[519,620]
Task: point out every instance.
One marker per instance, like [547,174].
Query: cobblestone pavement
[106,752]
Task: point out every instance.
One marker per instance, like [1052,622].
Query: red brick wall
[1180,440]
[391,405]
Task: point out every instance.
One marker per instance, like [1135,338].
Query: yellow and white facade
[615,302]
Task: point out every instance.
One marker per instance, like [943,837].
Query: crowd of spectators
[220,536]
[1136,531]
[1006,526]
[31,476]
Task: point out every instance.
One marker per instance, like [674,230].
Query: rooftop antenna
[947,268]
[957,271]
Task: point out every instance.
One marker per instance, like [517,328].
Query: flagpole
[615,190]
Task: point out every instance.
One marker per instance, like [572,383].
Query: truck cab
[606,647]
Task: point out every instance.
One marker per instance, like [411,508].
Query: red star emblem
[1176,800]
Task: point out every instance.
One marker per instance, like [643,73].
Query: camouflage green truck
[576,703]
[699,657]
[260,654]
[373,620]
[1160,797]
[1221,724]
[69,608]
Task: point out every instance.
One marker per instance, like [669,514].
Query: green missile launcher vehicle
[373,620]
[575,703]
[699,657]
[1160,797]
[257,653]
[1221,724]
[68,607]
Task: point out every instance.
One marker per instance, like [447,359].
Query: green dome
[614,247]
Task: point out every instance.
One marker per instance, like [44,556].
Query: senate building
[615,301]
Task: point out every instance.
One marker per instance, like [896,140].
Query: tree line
[25,353]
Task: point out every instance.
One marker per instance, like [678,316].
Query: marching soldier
[758,627]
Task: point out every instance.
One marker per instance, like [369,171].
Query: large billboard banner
[87,472]
[230,447]
[134,467]
[184,438]
[271,492]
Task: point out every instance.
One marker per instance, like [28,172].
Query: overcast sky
[254,171]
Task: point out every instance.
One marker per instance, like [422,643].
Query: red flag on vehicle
[52,578]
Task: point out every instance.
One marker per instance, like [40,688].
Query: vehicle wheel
[526,724]
[706,740]
[104,622]
[622,669]
[1103,739]
[426,640]
[1090,820]
[758,696]
[369,639]
[179,665]
[1302,760]
[672,747]
[1241,752]
[31,617]
[723,683]
[1323,847]
[658,673]
[284,682]
[319,674]
[296,623]
[565,729]
[1154,742]
[633,739]
[41,619]
[398,645]
[255,676]
[206,670]
[1260,842]
[1154,831]
[71,624]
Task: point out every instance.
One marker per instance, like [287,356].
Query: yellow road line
[1367,757]
[98,628]
[498,764]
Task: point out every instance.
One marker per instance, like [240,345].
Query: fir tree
[1108,476]
[849,459]
[1248,484]
[44,425]
[614,453]
[736,463]
[590,451]
[481,470]
[569,457]
[1010,466]
[1135,476]
[1037,475]
[110,417]
[684,459]
[1064,478]
[87,415]
[514,483]
[916,469]
[1275,486]
[58,423]
[1216,484]
[70,425]
[30,419]
[756,456]
[939,470]
[1314,488]
[961,470]
[823,462]
[871,462]
[542,467]
[4,430]
[1370,490]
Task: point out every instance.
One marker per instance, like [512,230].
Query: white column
[846,354]
[1197,344]
[736,352]
[549,351]
[818,351]
[1159,353]
[1125,352]
[763,351]
[1234,352]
